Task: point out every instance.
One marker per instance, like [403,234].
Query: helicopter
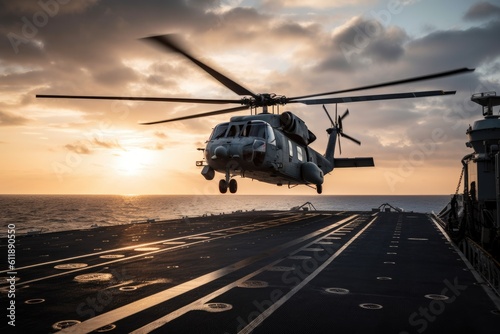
[270,147]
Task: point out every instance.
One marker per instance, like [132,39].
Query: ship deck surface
[260,272]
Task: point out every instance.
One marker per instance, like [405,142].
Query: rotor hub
[264,100]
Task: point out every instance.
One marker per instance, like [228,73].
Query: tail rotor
[338,126]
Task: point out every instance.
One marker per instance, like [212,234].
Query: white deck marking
[127,258]
[162,296]
[264,315]
[198,303]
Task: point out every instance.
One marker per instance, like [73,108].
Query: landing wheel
[319,188]
[233,186]
[223,186]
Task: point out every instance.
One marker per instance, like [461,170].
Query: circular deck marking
[34,301]
[93,277]
[436,297]
[106,328]
[215,307]
[299,257]
[112,256]
[281,268]
[65,324]
[337,291]
[128,288]
[68,266]
[370,306]
[146,249]
[253,284]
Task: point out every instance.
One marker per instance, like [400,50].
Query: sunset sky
[287,47]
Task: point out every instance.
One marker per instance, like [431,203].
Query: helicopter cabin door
[294,156]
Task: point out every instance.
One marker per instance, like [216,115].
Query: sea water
[50,213]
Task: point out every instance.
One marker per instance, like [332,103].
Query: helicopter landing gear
[224,185]
[233,186]
[319,188]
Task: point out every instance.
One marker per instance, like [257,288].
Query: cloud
[287,47]
[313,4]
[156,147]
[160,134]
[9,119]
[456,48]
[25,7]
[79,148]
[482,10]
[106,144]
[363,42]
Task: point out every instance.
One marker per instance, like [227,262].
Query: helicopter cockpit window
[261,130]
[234,130]
[219,131]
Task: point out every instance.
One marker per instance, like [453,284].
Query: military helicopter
[270,147]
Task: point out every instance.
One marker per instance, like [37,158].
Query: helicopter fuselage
[266,147]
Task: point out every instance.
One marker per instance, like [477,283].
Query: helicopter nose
[220,152]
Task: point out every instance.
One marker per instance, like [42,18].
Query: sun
[133,161]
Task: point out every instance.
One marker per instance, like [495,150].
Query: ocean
[50,213]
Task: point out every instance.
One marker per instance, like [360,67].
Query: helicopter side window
[300,153]
[219,131]
[290,150]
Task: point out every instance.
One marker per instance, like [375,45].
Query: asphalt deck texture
[260,272]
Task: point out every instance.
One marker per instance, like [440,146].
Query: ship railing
[483,262]
[307,206]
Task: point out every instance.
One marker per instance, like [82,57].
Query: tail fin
[330,148]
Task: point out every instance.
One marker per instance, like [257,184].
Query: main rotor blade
[391,83]
[210,113]
[172,43]
[363,98]
[139,98]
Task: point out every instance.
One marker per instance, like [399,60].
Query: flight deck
[250,272]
